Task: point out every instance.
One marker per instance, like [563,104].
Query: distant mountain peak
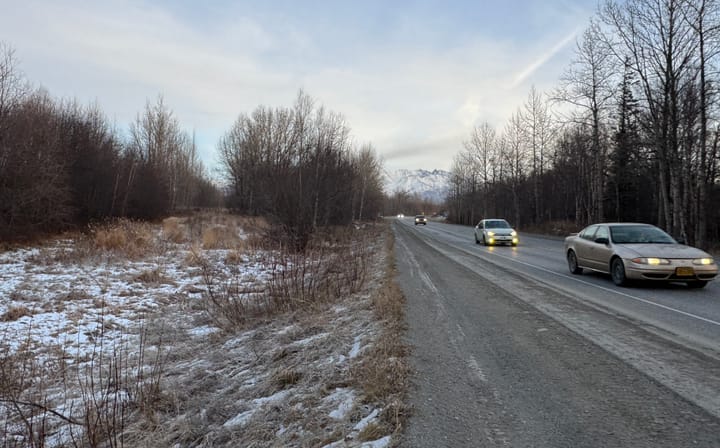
[429,185]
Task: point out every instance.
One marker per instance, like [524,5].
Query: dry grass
[14,313]
[373,431]
[384,371]
[152,276]
[219,237]
[174,229]
[296,338]
[129,238]
[286,377]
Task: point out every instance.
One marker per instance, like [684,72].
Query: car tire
[698,284]
[617,272]
[573,264]
[484,241]
[476,240]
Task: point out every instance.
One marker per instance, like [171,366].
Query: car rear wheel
[573,264]
[617,272]
[697,285]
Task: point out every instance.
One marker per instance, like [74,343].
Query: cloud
[543,59]
[414,102]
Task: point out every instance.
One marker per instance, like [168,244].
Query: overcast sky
[411,77]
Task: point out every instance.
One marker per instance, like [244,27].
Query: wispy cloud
[543,59]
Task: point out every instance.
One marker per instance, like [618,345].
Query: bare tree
[587,85]
[482,158]
[538,132]
[659,44]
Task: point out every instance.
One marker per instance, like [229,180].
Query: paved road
[512,350]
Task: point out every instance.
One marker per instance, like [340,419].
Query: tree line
[299,167]
[630,133]
[63,165]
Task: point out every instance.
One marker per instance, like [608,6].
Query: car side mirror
[681,240]
[602,240]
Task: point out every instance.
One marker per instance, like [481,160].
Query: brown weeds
[383,371]
[14,313]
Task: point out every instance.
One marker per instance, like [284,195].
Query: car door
[599,253]
[582,245]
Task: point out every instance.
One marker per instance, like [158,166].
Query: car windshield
[420,216]
[639,235]
[497,224]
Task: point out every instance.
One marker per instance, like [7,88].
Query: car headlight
[490,233]
[513,233]
[651,261]
[704,261]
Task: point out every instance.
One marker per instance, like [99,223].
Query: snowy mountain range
[429,185]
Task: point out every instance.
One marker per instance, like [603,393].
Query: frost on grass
[133,330]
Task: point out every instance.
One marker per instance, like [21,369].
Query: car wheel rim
[572,261]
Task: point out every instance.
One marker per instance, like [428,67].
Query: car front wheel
[573,264]
[617,271]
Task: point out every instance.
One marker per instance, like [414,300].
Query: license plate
[684,272]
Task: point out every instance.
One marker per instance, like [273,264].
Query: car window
[497,224]
[602,232]
[588,232]
[640,235]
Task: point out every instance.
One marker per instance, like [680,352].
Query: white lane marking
[639,299]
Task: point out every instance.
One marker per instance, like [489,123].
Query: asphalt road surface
[510,349]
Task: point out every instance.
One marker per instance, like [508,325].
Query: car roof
[613,224]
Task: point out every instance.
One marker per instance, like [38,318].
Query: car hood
[660,251]
[502,231]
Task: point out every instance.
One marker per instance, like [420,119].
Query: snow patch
[355,348]
[362,424]
[379,443]
[241,419]
[344,399]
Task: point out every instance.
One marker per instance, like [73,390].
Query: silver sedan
[629,251]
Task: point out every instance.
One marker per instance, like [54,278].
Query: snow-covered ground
[95,329]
